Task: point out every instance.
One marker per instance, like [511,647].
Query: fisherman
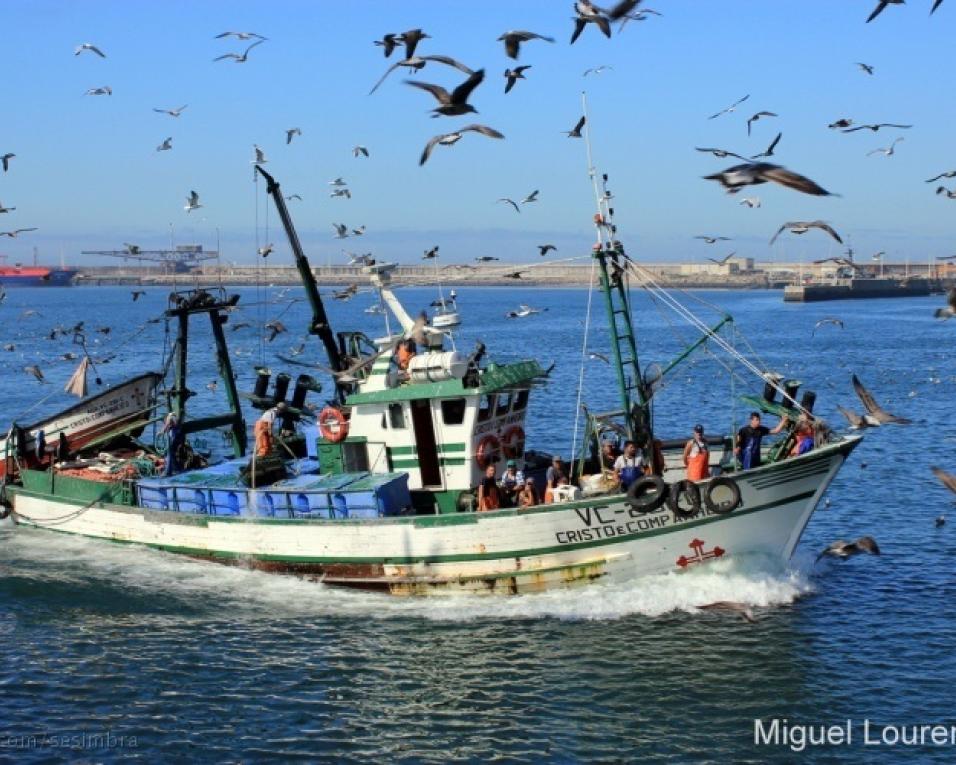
[265,440]
[511,482]
[609,453]
[39,445]
[629,466]
[803,435]
[697,456]
[556,476]
[749,438]
[406,352]
[62,448]
[488,494]
[528,496]
[173,441]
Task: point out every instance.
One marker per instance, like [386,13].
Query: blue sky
[87,173]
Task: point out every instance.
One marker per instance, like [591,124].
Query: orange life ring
[487,451]
[333,425]
[513,442]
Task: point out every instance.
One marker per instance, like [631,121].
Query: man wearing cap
[749,438]
[554,476]
[511,481]
[629,466]
[697,456]
[265,441]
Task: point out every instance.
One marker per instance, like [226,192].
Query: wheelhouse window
[521,400]
[396,416]
[486,407]
[453,411]
[504,403]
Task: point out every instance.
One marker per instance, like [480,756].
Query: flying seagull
[865,67]
[588,13]
[410,40]
[720,153]
[756,117]
[513,75]
[90,47]
[486,258]
[947,479]
[418,62]
[575,132]
[171,112]
[237,57]
[290,134]
[449,139]
[827,320]
[856,421]
[872,408]
[359,151]
[950,310]
[513,40]
[936,4]
[266,251]
[338,182]
[511,202]
[880,6]
[454,103]
[947,174]
[275,328]
[877,126]
[712,239]
[165,145]
[240,35]
[597,70]
[751,202]
[5,160]
[730,108]
[261,158]
[770,148]
[544,248]
[106,90]
[293,196]
[137,294]
[341,230]
[947,192]
[6,209]
[388,43]
[431,254]
[532,197]
[735,178]
[192,202]
[888,151]
[513,275]
[34,370]
[802,227]
[723,261]
[843,122]
[841,549]
[13,234]
[341,193]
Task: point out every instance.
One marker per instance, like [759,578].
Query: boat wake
[148,580]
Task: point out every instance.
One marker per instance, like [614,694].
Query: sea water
[110,652]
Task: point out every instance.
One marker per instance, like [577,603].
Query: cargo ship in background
[19,275]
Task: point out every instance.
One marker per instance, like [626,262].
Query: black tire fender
[647,494]
[684,489]
[725,506]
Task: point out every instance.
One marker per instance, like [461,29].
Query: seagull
[90,47]
[341,230]
[588,13]
[888,151]
[735,178]
[841,549]
[532,197]
[431,254]
[751,202]
[13,234]
[843,122]
[454,103]
[511,202]
[641,15]
[575,132]
[388,43]
[872,408]
[211,386]
[416,63]
[730,108]
[513,75]
[597,70]
[756,117]
[341,193]
[729,605]
[132,249]
[5,160]
[261,158]
[947,192]
[880,6]
[513,40]
[802,227]
[240,58]
[595,356]
[877,126]
[137,293]
[6,209]
[266,251]
[544,248]
[192,202]
[723,260]
[410,40]
[486,258]
[171,112]
[950,310]
[293,196]
[513,275]
[359,151]
[936,4]
[297,350]
[947,174]
[526,310]
[165,145]
[338,182]
[865,67]
[947,479]
[827,320]
[106,90]
[290,133]
[770,148]
[347,293]
[275,327]
[34,370]
[241,35]
[713,239]
[358,231]
[720,153]
[449,139]
[360,260]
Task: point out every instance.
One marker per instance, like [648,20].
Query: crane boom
[320,322]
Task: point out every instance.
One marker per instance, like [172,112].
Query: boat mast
[320,322]
[613,265]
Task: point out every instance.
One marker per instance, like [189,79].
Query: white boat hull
[506,551]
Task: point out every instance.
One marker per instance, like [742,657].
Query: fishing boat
[379,492]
